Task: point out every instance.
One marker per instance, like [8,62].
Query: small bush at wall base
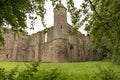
[106,73]
[116,58]
[2,74]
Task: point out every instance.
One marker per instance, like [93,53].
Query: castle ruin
[54,44]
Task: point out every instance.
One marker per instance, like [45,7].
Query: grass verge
[78,70]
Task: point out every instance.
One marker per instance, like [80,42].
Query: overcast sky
[49,17]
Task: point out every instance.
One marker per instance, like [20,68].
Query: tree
[15,12]
[101,18]
[103,27]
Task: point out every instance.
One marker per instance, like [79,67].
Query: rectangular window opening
[46,37]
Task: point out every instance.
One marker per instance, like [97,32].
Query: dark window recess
[78,54]
[61,26]
[23,56]
[7,55]
[22,39]
[70,32]
[71,47]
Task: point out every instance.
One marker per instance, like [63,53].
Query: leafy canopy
[103,27]
[15,12]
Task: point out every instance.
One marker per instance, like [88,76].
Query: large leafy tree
[104,27]
[15,12]
[101,18]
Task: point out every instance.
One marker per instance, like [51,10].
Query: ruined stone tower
[60,37]
[54,44]
[57,38]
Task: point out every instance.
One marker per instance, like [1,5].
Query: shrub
[53,74]
[116,58]
[106,73]
[33,72]
[2,74]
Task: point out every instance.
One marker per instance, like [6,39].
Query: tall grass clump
[33,72]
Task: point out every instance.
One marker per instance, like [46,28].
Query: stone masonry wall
[54,44]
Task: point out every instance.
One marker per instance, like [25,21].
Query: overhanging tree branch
[95,9]
[98,14]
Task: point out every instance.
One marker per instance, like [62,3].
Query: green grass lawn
[78,69]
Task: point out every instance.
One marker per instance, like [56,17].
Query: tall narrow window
[7,55]
[61,26]
[46,37]
[71,47]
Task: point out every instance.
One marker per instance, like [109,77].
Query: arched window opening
[7,55]
[71,47]
[45,36]
[61,26]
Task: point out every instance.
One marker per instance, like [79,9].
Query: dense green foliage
[72,71]
[101,18]
[15,13]
[106,73]
[32,72]
[103,28]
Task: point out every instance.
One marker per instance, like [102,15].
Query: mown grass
[78,70]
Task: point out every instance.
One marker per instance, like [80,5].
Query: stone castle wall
[54,44]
